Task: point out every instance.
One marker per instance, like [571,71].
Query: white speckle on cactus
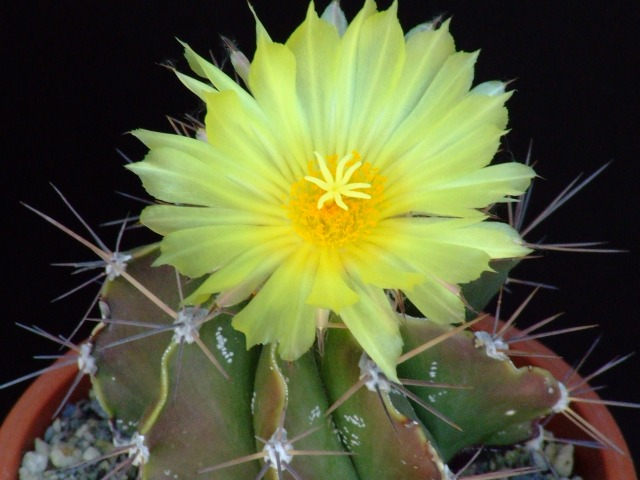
[138,451]
[349,439]
[374,379]
[116,265]
[432,398]
[355,420]
[563,402]
[344,439]
[189,321]
[510,413]
[86,363]
[492,346]
[411,424]
[433,370]
[221,342]
[253,402]
[277,449]
[315,413]
[105,311]
[136,448]
[120,425]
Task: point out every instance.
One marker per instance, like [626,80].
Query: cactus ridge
[151,358]
[168,372]
[305,419]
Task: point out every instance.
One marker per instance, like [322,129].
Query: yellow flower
[356,163]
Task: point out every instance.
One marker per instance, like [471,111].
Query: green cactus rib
[380,428]
[507,397]
[270,414]
[290,395]
[128,380]
[204,419]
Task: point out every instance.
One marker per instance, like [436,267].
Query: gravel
[76,446]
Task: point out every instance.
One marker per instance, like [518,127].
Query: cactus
[166,389]
[312,313]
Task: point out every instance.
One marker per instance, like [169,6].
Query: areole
[30,417]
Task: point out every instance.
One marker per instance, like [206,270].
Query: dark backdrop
[77,78]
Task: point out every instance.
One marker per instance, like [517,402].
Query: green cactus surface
[181,381]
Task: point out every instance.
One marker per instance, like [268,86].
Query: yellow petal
[426,52]
[197,251]
[279,312]
[315,44]
[329,287]
[252,266]
[368,75]
[431,253]
[464,195]
[498,240]
[450,84]
[388,270]
[375,326]
[438,301]
[220,80]
[246,139]
[197,87]
[417,171]
[455,131]
[196,174]
[272,81]
[164,219]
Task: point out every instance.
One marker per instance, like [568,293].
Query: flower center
[327,207]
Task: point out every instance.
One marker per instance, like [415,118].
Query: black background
[76,78]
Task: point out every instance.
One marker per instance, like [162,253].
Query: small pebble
[563,462]
[81,434]
[90,453]
[64,455]
[34,462]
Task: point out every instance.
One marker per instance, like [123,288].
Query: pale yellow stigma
[339,185]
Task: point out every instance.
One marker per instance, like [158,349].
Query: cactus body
[193,419]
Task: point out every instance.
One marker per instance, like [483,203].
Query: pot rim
[21,426]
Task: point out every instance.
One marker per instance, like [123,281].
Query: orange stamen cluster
[325,207]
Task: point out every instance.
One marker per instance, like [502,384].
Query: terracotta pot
[591,464]
[32,414]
